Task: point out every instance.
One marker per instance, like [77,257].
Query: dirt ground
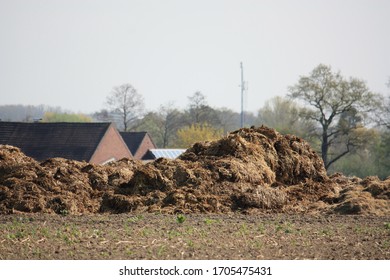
[253,194]
[194,236]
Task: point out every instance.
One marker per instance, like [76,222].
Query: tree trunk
[324,147]
[165,138]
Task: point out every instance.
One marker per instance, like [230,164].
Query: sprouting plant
[180,218]
[279,228]
[387,225]
[64,212]
[189,230]
[173,233]
[146,232]
[161,250]
[37,252]
[17,230]
[286,228]
[190,243]
[261,229]
[135,219]
[129,252]
[243,230]
[208,221]
[45,232]
[128,230]
[68,240]
[258,244]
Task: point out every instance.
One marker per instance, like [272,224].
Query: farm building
[138,143]
[153,154]
[92,142]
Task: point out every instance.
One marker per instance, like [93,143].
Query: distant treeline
[346,123]
[25,113]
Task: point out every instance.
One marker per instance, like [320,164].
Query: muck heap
[251,170]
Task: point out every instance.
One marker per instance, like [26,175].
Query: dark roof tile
[41,141]
[133,140]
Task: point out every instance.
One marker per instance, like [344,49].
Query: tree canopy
[126,103]
[338,105]
[65,117]
[188,135]
[283,114]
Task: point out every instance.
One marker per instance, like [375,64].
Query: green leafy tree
[189,135]
[162,125]
[329,96]
[283,114]
[65,117]
[25,113]
[228,119]
[383,115]
[172,120]
[382,155]
[383,149]
[362,159]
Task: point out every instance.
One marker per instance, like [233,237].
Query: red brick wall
[111,146]
[146,144]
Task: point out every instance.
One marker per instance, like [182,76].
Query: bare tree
[126,103]
[197,106]
[336,104]
[200,112]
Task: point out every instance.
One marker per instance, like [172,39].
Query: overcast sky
[70,53]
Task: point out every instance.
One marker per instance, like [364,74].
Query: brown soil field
[198,236]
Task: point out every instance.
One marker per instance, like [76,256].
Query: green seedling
[135,219]
[180,218]
[64,212]
[261,229]
[173,233]
[208,221]
[161,250]
[190,243]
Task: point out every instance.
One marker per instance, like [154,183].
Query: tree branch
[337,158]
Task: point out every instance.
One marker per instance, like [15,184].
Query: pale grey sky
[70,53]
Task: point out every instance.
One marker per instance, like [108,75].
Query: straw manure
[250,170]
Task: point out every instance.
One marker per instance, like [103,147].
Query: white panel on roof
[167,153]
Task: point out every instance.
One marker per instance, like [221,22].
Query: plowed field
[200,236]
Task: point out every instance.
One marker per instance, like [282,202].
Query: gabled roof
[133,140]
[138,143]
[163,153]
[41,141]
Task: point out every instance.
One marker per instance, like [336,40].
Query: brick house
[139,143]
[96,143]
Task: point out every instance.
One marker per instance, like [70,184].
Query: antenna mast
[242,95]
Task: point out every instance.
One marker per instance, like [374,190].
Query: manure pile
[251,170]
